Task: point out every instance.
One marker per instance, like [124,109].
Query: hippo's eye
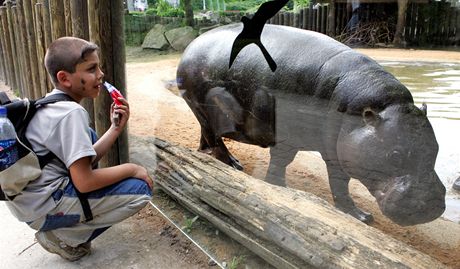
[395,157]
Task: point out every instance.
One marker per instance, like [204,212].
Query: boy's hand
[120,113]
[142,173]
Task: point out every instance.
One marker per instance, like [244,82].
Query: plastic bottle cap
[2,111]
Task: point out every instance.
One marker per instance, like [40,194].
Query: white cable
[186,235]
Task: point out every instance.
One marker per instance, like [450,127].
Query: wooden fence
[435,23]
[29,26]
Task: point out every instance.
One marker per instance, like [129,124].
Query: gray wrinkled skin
[323,97]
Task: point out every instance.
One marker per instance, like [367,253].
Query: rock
[179,38]
[155,38]
[207,28]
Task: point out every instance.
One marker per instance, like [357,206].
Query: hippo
[323,97]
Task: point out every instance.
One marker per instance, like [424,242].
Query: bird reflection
[252,29]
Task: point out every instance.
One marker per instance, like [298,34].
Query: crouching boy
[50,204]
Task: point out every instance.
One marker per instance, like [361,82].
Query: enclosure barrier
[29,26]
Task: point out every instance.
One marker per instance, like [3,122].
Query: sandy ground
[159,112]
[164,114]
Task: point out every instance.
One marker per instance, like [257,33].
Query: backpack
[29,165]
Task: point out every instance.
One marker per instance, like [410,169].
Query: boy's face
[86,81]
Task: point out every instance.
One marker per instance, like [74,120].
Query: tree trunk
[402,8]
[188,12]
[286,227]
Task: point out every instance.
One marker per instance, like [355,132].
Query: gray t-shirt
[62,128]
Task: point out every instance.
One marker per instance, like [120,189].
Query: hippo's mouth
[407,203]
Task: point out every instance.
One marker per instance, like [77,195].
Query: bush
[151,11]
[164,9]
[243,5]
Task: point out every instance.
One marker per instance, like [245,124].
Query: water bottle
[8,147]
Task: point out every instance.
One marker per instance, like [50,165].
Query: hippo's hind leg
[280,157]
[338,182]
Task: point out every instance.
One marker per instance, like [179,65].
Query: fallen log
[288,228]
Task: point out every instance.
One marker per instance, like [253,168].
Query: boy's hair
[65,53]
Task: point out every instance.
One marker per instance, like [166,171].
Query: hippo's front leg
[338,182]
[280,157]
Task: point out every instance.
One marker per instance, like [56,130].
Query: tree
[188,12]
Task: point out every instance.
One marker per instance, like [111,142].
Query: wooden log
[79,17]
[68,18]
[331,19]
[57,19]
[32,47]
[314,25]
[80,28]
[2,56]
[276,18]
[457,26]
[29,85]
[47,37]
[286,227]
[15,71]
[408,22]
[46,22]
[304,18]
[119,71]
[453,17]
[287,19]
[7,46]
[20,55]
[40,48]
[103,31]
[296,20]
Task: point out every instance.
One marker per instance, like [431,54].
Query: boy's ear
[63,79]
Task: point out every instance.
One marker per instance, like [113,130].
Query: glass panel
[299,109]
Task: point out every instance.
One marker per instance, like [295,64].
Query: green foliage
[243,5]
[151,3]
[299,4]
[164,9]
[188,223]
[236,261]
[253,5]
[151,11]
[136,13]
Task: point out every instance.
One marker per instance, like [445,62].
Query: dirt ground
[160,113]
[157,111]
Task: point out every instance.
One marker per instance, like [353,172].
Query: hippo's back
[299,55]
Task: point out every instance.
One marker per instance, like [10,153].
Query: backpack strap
[53,99]
[45,159]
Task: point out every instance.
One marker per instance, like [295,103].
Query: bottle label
[8,153]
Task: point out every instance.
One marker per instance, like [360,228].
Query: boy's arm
[86,179]
[104,143]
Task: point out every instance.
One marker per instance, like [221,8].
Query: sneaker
[53,245]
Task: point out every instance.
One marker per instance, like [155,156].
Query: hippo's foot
[227,158]
[359,214]
[456,185]
[235,163]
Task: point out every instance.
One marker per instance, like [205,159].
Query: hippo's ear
[424,108]
[371,117]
